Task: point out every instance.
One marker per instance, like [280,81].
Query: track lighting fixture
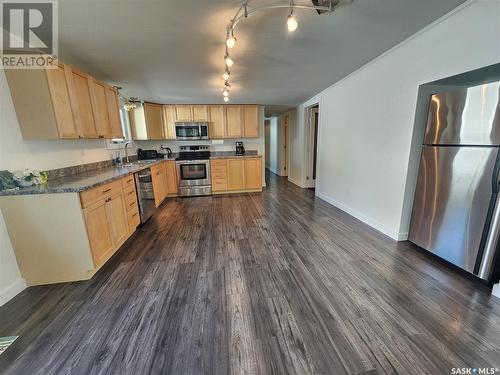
[231,40]
[229,62]
[244,11]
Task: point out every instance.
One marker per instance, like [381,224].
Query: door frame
[285,144]
[309,144]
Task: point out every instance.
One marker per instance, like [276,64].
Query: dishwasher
[145,193]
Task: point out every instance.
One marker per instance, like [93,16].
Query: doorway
[312,123]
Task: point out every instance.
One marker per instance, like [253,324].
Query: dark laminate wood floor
[272,283]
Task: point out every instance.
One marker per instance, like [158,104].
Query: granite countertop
[232,154]
[83,181]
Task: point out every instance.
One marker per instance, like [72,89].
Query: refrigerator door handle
[491,243]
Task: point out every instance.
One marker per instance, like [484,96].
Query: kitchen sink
[139,162]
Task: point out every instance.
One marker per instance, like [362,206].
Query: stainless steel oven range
[193,170]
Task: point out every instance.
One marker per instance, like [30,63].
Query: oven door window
[193,171]
[187,131]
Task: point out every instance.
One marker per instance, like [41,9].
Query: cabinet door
[100,109]
[251,121]
[200,112]
[253,173]
[79,93]
[98,232]
[159,185]
[171,177]
[217,128]
[169,121]
[183,113]
[117,219]
[154,121]
[235,174]
[234,121]
[114,112]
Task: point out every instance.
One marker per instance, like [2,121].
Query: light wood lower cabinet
[159,183]
[74,233]
[106,221]
[99,232]
[171,177]
[253,173]
[236,174]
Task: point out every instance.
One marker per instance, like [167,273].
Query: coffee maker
[240,150]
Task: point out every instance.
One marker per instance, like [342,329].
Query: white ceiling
[172,51]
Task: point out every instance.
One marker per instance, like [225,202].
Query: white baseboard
[496,290]
[403,236]
[360,216]
[295,182]
[274,171]
[6,294]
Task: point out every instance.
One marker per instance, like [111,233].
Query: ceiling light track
[244,11]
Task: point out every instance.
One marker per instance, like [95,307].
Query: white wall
[366,120]
[11,282]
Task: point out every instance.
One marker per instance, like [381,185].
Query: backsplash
[82,168]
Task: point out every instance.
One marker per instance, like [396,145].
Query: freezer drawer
[453,194]
[465,117]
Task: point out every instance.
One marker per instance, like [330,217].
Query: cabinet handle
[101,136]
[134,215]
[131,192]
[131,204]
[106,191]
[107,200]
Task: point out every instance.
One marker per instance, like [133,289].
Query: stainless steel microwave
[188,131]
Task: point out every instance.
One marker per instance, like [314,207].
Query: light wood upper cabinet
[61,102]
[171,177]
[81,102]
[154,121]
[100,108]
[169,121]
[183,113]
[42,103]
[251,121]
[234,121]
[217,127]
[253,173]
[235,174]
[114,112]
[200,112]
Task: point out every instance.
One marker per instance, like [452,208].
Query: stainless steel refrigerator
[456,211]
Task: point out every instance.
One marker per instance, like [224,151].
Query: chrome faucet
[126,151]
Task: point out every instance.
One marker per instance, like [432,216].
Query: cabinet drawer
[133,219]
[219,176]
[129,192]
[128,181]
[219,169]
[219,185]
[218,162]
[98,193]
[130,204]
